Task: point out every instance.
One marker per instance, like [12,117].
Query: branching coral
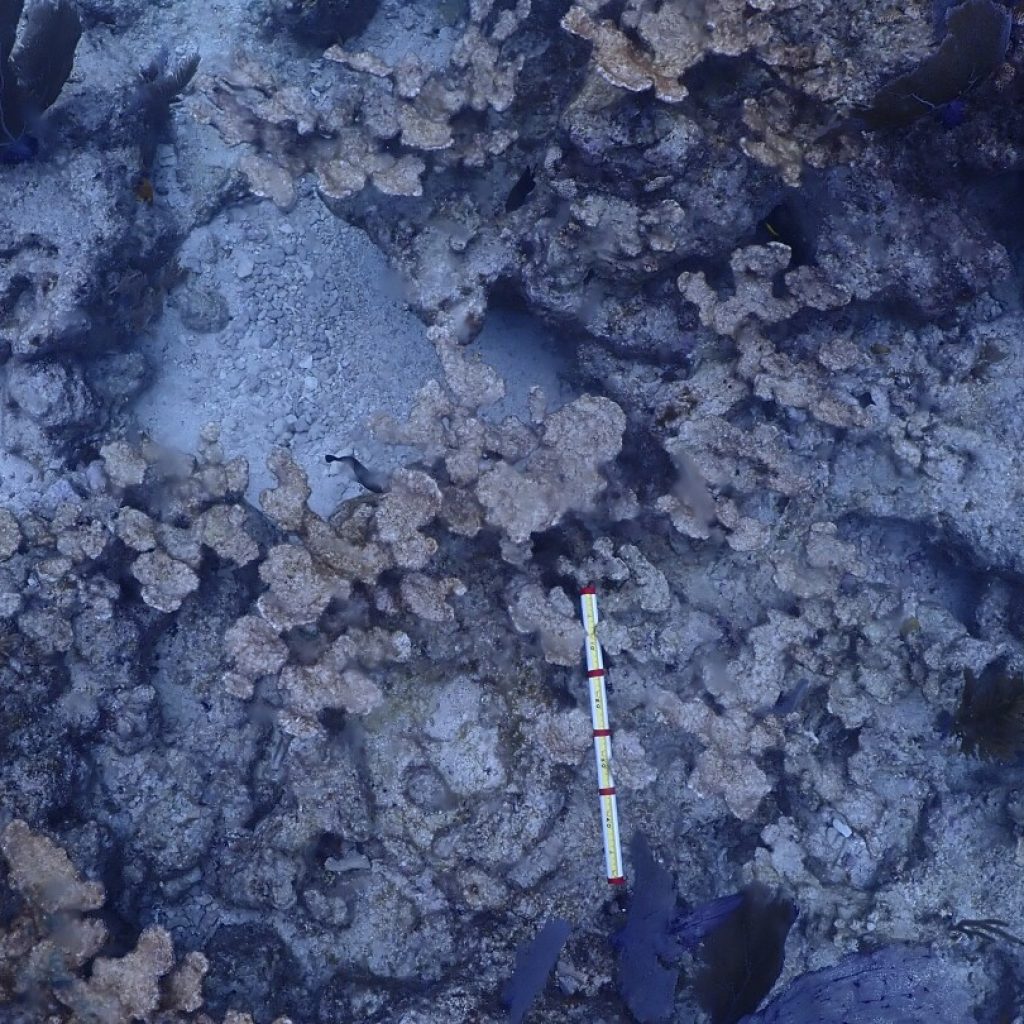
[674,39]
[543,471]
[48,953]
[755,270]
[388,130]
[56,573]
[552,616]
[519,479]
[302,578]
[821,66]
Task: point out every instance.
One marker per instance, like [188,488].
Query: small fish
[789,702]
[521,190]
[372,479]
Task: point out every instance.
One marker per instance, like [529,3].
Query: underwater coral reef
[342,344]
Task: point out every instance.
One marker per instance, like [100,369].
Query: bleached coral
[330,683]
[320,564]
[755,269]
[183,987]
[561,475]
[285,503]
[127,988]
[298,590]
[351,144]
[48,953]
[413,500]
[427,597]
[254,648]
[824,63]
[547,469]
[43,873]
[623,63]
[166,582]
[124,465]
[222,529]
[553,617]
[139,512]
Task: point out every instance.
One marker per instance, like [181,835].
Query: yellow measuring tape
[602,739]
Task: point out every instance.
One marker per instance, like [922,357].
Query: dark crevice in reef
[718,84]
[119,874]
[940,558]
[989,720]
[999,202]
[917,847]
[82,788]
[250,965]
[265,781]
[646,466]
[794,222]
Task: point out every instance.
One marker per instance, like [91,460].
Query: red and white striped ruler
[602,739]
